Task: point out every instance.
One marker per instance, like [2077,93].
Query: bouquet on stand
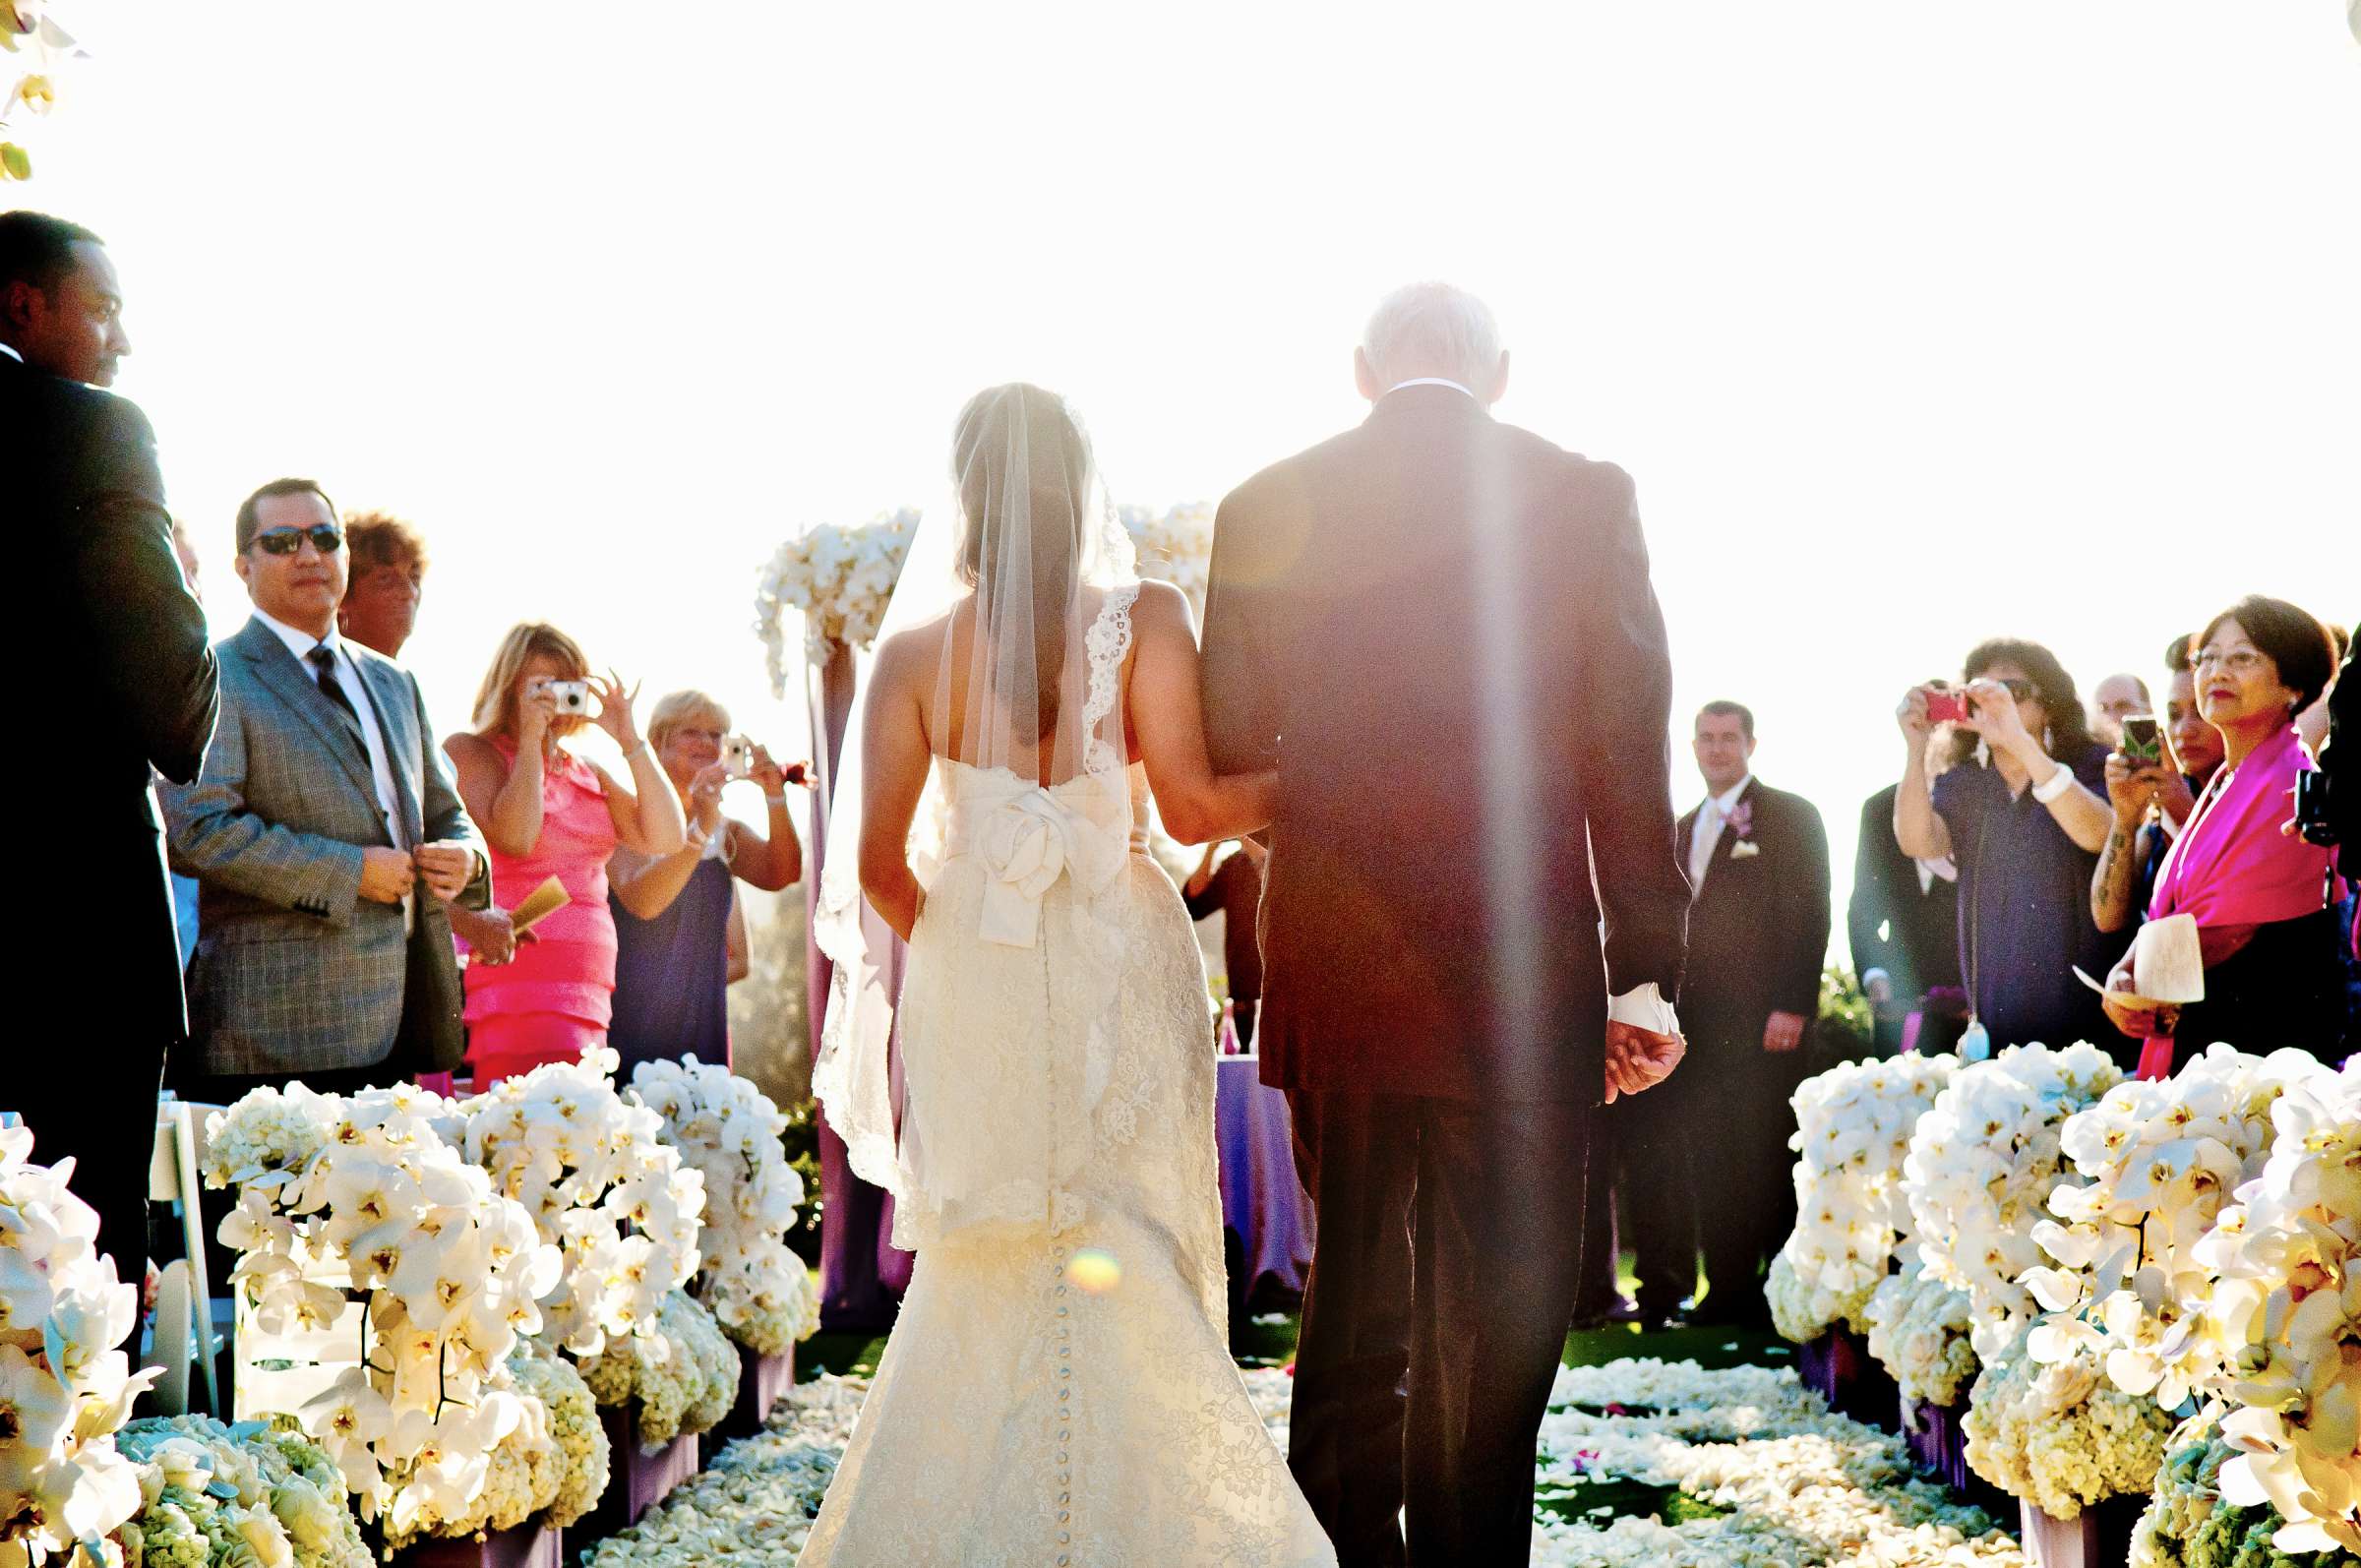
[839,578]
[65,1388]
[728,1131]
[684,1375]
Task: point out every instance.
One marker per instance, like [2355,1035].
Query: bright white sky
[1914,323]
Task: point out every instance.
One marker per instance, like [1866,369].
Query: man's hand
[1878,986]
[1639,1058]
[444,866]
[385,874]
[1784,1032]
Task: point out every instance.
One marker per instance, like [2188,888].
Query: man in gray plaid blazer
[326,838]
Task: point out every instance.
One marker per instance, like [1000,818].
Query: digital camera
[2312,819]
[738,758]
[571,697]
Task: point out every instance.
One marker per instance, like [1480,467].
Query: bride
[1058,1388]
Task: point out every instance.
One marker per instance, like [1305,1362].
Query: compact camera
[571,697]
[1945,705]
[738,758]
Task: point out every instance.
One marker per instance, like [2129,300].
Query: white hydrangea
[66,1388]
[603,1187]
[574,1426]
[685,1377]
[1982,1163]
[2059,1435]
[727,1129]
[1854,1125]
[212,1493]
[1918,1333]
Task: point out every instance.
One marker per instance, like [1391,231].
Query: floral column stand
[2100,1537]
[861,1276]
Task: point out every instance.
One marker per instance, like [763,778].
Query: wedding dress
[1058,1390]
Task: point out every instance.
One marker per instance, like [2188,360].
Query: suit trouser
[1441,1285]
[99,1108]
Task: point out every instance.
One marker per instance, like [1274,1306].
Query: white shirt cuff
[1643,1007]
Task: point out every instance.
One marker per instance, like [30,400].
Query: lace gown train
[1057,1391]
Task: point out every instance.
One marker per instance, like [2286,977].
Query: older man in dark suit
[101,596]
[324,835]
[1711,1152]
[1439,628]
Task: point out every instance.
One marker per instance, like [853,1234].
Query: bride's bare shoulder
[912,651]
[1162,610]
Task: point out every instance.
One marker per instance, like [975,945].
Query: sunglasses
[325,537]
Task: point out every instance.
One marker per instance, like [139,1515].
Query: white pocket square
[1744,849]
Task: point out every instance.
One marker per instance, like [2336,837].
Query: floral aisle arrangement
[364,1191]
[1174,546]
[1918,1333]
[2158,1160]
[1981,1164]
[573,1427]
[27,31]
[684,1374]
[603,1187]
[65,1387]
[2285,1309]
[1852,1132]
[839,577]
[2059,1435]
[212,1494]
[729,1132]
[2190,1524]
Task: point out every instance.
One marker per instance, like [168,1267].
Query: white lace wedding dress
[1059,1390]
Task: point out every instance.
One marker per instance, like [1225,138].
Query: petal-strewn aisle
[1643,1461]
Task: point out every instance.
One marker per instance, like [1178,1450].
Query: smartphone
[2142,740]
[1946,707]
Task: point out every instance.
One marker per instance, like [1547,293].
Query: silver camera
[571,697]
[738,758]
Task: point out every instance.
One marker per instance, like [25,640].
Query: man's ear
[16,308]
[245,568]
[1365,376]
[1499,386]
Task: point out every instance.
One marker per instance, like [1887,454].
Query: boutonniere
[1741,819]
[1744,849]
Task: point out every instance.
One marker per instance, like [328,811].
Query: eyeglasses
[2240,662]
[325,537]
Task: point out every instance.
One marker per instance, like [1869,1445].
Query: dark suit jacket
[294,971]
[1758,932]
[1912,936]
[104,606]
[1439,628]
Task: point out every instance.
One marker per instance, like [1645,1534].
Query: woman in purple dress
[680,934]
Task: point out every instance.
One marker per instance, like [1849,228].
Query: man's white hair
[1433,329]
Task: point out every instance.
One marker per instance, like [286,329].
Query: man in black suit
[1712,1156]
[1439,630]
[1902,923]
[103,602]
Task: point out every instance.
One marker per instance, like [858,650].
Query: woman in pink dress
[545,813]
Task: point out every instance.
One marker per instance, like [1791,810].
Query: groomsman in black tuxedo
[101,604]
[1707,1163]
[1902,923]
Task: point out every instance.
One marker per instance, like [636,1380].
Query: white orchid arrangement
[1918,1333]
[840,578]
[2284,1313]
[603,1187]
[685,1377]
[1854,1125]
[215,1493]
[65,1387]
[2059,1435]
[362,1197]
[729,1132]
[1173,546]
[1982,1162]
[2159,1161]
[27,29]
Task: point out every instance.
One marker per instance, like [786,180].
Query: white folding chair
[184,1306]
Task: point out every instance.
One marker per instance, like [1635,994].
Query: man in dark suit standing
[324,835]
[1439,630]
[1903,924]
[105,598]
[1712,1156]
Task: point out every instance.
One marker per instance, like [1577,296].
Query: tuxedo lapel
[275,667]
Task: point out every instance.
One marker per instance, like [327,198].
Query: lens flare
[1095,1271]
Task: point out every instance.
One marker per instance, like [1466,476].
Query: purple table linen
[1262,1198]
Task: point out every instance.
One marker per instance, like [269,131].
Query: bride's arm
[1198,805]
[894,760]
